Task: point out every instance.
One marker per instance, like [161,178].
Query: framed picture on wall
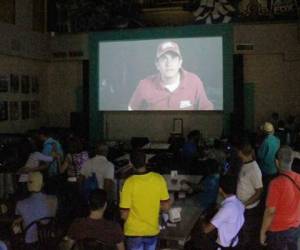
[34,109]
[4,79]
[14,111]
[34,85]
[14,83]
[25,110]
[25,84]
[3,111]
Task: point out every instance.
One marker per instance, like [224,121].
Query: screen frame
[96,126]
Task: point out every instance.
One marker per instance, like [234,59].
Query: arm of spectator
[66,163]
[165,205]
[67,243]
[255,197]
[267,220]
[208,227]
[120,246]
[124,213]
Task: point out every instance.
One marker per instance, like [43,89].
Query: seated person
[36,206]
[207,189]
[229,219]
[95,226]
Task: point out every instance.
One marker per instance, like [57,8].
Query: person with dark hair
[102,168]
[229,219]
[249,190]
[95,226]
[281,222]
[142,196]
[190,150]
[172,88]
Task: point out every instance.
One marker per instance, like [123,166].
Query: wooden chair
[91,244]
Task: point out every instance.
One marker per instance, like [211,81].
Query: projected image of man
[173,88]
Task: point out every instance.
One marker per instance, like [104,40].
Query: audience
[249,190]
[228,220]
[35,207]
[142,197]
[281,222]
[95,226]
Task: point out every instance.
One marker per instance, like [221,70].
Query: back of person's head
[43,131]
[97,199]
[35,182]
[228,184]
[268,128]
[138,158]
[284,157]
[194,135]
[101,148]
[246,149]
[75,146]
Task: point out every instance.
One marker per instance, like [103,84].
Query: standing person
[102,168]
[142,197]
[249,190]
[51,145]
[266,154]
[229,219]
[172,88]
[281,222]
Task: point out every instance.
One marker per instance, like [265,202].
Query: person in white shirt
[102,168]
[229,219]
[249,190]
[36,161]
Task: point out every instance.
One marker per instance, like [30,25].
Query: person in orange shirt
[281,223]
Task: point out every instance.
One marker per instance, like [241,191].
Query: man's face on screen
[169,65]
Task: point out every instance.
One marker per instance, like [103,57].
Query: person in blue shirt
[206,192]
[50,145]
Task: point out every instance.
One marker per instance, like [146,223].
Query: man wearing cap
[266,154]
[35,207]
[173,88]
[281,223]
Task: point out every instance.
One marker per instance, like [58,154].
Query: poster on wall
[34,85]
[25,84]
[14,83]
[34,109]
[3,111]
[25,110]
[14,111]
[4,79]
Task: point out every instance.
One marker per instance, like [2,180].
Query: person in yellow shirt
[143,195]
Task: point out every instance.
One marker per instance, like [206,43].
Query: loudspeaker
[79,124]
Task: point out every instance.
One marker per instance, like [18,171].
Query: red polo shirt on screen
[150,94]
[285,197]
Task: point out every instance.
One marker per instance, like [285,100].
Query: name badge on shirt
[185,104]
